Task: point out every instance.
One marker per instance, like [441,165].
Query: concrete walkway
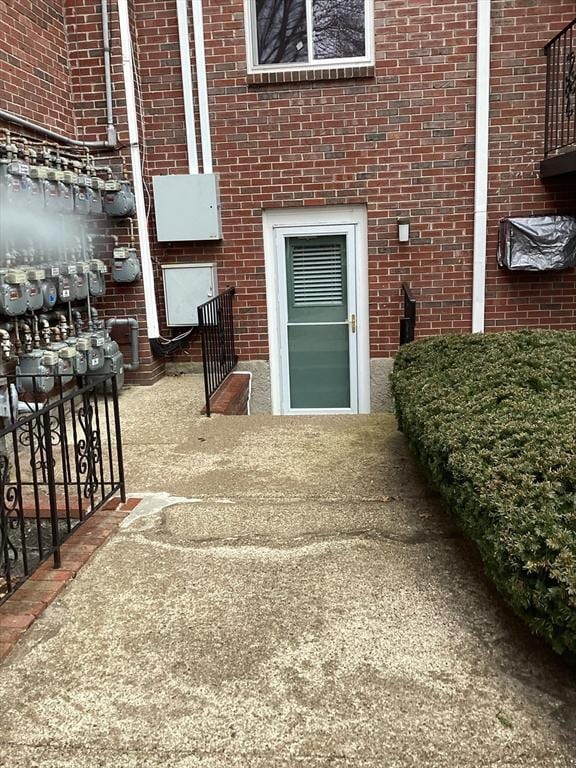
[303,601]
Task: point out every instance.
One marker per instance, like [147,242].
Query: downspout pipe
[152,324]
[132,323]
[198,21]
[110,129]
[481,164]
[189,116]
[52,135]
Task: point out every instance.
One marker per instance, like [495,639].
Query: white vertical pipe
[190,119]
[481,163]
[141,217]
[197,16]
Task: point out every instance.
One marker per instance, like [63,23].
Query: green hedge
[493,419]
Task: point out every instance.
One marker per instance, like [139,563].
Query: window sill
[257,79]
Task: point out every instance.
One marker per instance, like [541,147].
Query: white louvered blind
[318,278]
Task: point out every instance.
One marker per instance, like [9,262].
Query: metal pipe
[481,165]
[78,321]
[110,129]
[58,137]
[153,327]
[198,21]
[134,328]
[189,116]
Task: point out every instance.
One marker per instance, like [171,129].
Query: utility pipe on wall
[112,139]
[198,21]
[189,116]
[132,323]
[48,134]
[110,129]
[481,163]
[141,216]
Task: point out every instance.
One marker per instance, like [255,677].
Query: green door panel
[318,333]
[319,366]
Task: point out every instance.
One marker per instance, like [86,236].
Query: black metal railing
[216,325]
[408,321]
[560,120]
[60,461]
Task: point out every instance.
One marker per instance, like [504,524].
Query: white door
[317,295]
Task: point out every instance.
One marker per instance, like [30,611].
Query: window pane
[339,29]
[281,28]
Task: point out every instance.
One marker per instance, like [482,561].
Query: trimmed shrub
[492,419]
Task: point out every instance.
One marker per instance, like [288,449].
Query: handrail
[408,321]
[216,325]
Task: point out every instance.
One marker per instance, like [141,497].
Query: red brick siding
[34,68]
[400,141]
[520,31]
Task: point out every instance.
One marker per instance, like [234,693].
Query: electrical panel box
[187,208]
[186,286]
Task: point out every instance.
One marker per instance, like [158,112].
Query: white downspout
[189,117]
[481,163]
[141,216]
[198,22]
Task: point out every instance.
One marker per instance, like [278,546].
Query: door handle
[353,323]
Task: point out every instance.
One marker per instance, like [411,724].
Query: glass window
[282,36]
[308,31]
[339,29]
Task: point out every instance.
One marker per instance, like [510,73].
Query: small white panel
[187,208]
[186,286]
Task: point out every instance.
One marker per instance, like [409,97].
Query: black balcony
[560,125]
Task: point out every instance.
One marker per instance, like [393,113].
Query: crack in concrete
[303,541]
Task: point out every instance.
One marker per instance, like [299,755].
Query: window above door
[284,35]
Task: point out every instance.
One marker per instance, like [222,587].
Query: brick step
[231,397]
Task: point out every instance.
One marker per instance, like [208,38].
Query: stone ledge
[282,77]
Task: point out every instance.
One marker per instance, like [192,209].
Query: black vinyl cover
[537,243]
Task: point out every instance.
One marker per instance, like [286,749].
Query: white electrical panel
[186,286]
[187,207]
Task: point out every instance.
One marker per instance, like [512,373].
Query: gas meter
[119,200]
[13,292]
[126,265]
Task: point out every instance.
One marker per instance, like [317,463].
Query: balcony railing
[560,127]
[216,324]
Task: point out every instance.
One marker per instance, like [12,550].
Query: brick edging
[29,601]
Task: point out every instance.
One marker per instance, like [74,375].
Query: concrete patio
[290,593]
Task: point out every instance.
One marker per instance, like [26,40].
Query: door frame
[306,222]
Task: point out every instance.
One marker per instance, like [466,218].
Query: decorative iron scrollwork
[9,520]
[570,84]
[88,450]
[33,437]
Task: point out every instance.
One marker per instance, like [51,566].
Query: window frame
[251,32]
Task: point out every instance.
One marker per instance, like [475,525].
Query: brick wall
[35,72]
[520,31]
[399,138]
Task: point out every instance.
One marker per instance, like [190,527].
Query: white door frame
[307,221]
